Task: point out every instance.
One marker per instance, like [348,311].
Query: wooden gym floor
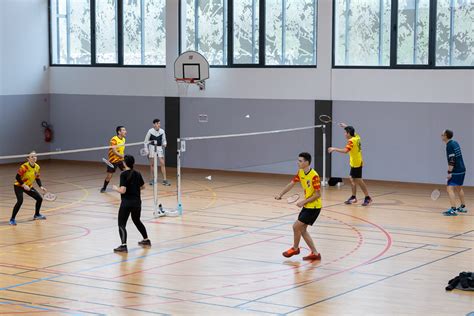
[224,255]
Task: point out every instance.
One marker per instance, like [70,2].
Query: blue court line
[377,281]
[140,257]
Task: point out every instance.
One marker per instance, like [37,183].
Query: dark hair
[350,130]
[156,121]
[449,133]
[305,156]
[117,130]
[129,161]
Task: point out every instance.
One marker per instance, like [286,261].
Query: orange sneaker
[291,252]
[312,256]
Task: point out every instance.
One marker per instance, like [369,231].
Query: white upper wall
[25,51]
[23,47]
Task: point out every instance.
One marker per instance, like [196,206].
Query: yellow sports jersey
[114,141]
[355,151]
[28,174]
[310,183]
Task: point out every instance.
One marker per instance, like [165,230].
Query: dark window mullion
[119,32]
[230,33]
[432,34]
[262,35]
[394,34]
[93,43]
[225,30]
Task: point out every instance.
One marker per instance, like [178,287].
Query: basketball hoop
[191,68]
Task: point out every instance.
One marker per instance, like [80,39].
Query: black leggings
[19,199]
[123,214]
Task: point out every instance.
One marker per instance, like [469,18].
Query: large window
[413,32]
[263,33]
[108,32]
[455,33]
[362,32]
[205,29]
[71,32]
[403,33]
[246,31]
[144,32]
[291,32]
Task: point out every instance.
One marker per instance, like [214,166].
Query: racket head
[144,152]
[108,163]
[325,118]
[44,124]
[435,194]
[48,196]
[292,199]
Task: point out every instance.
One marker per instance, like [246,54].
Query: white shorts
[159,150]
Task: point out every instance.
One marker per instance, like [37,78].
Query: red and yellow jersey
[28,174]
[116,141]
[310,183]
[355,151]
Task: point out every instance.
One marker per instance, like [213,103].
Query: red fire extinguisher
[48,132]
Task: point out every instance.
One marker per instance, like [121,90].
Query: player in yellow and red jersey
[116,154]
[311,206]
[354,149]
[27,174]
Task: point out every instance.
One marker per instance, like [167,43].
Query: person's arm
[141,182]
[344,150]
[121,188]
[146,142]
[451,160]
[163,142]
[288,187]
[38,181]
[18,178]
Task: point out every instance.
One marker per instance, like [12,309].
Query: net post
[178,179]
[324,182]
[155,177]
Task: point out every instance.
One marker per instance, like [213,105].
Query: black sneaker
[102,190]
[121,248]
[166,183]
[145,243]
[367,201]
[351,200]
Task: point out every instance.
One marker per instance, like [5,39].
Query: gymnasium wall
[24,78]
[275,153]
[83,121]
[371,99]
[402,141]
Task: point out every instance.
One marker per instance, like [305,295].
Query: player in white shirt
[156,133]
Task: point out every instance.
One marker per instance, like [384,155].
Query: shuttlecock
[247,116]
[209,178]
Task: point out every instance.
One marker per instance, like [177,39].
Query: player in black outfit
[131,183]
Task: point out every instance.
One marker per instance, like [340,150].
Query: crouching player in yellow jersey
[311,206]
[354,149]
[28,173]
[116,154]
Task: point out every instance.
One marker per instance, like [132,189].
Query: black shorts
[309,215]
[356,173]
[116,165]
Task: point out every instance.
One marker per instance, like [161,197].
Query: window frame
[394,41]
[261,38]
[120,41]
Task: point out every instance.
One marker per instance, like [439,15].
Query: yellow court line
[84,196]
